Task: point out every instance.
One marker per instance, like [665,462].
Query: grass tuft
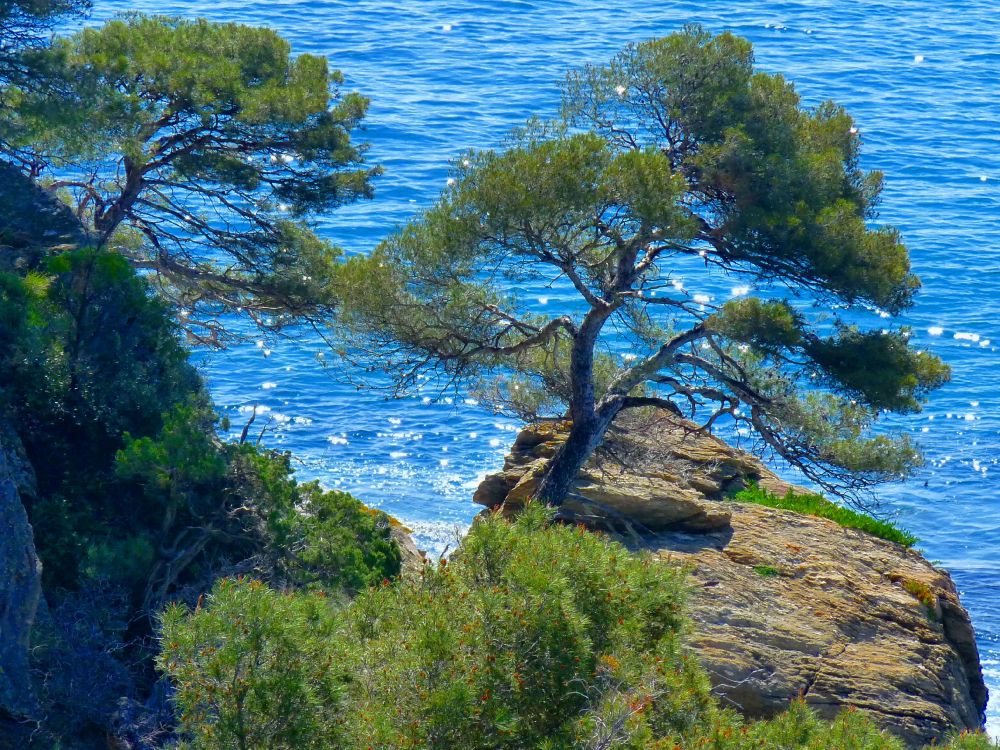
[923,594]
[817,505]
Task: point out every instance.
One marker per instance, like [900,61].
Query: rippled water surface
[921,78]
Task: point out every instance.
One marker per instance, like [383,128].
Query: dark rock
[20,578]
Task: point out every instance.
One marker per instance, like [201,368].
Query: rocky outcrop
[649,475]
[32,219]
[782,604]
[413,560]
[20,578]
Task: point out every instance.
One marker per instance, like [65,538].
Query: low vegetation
[817,505]
[532,636]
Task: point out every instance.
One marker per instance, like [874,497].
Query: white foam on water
[918,58]
[248,409]
[337,440]
[935,330]
[702,299]
[268,386]
[973,337]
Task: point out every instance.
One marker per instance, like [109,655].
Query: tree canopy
[198,150]
[24,24]
[676,153]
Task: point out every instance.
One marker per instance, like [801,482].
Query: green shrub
[338,543]
[255,669]
[817,505]
[533,636]
[503,646]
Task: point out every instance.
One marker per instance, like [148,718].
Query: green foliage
[200,134]
[766,571]
[501,647]
[338,543]
[204,499]
[533,636]
[923,594]
[879,368]
[817,505]
[677,152]
[255,669]
[791,196]
[24,24]
[973,741]
[88,357]
[139,502]
[768,326]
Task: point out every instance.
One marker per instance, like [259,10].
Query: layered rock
[654,473]
[782,604]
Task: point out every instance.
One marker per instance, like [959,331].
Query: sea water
[922,80]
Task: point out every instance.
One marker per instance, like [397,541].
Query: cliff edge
[783,604]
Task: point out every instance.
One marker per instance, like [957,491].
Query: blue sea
[922,80]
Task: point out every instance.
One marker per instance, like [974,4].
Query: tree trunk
[590,419]
[584,437]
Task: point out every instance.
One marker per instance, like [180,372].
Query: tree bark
[584,437]
[590,419]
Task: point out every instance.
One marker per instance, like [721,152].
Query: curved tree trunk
[590,418]
[584,437]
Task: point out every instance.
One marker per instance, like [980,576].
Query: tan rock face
[654,473]
[782,604]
